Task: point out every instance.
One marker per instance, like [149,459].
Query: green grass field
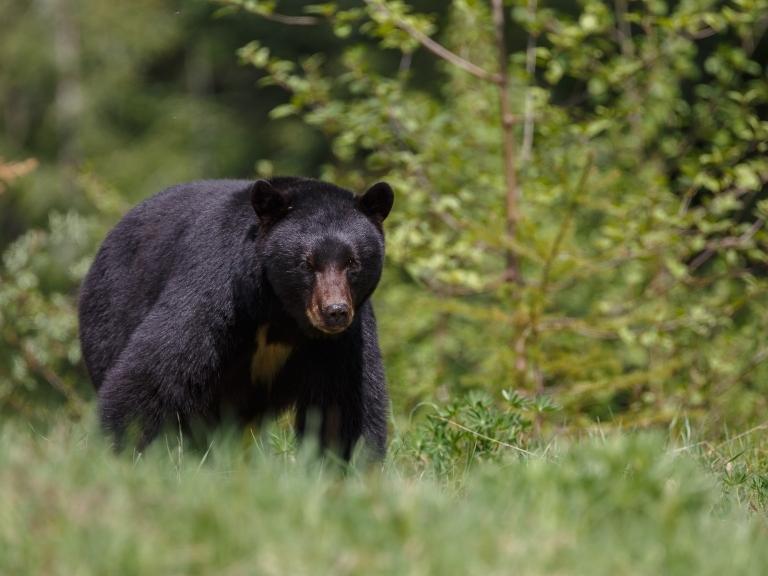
[621,504]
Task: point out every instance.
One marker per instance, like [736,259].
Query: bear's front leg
[337,427]
[343,394]
[130,408]
[163,376]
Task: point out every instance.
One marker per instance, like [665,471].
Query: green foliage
[40,363]
[145,94]
[641,143]
[469,431]
[39,323]
[617,505]
[640,232]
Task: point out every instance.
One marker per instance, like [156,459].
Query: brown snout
[330,308]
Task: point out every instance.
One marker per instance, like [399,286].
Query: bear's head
[323,248]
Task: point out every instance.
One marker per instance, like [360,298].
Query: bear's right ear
[268,202]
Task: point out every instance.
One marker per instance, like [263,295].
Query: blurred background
[579,230]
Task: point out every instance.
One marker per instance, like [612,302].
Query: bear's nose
[336,314]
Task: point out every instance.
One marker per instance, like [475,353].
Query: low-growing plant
[451,438]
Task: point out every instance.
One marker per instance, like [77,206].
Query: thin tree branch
[627,45]
[290,20]
[53,379]
[751,43]
[729,242]
[623,29]
[530,69]
[512,272]
[436,48]
[272,16]
[564,225]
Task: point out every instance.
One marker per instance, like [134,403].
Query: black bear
[242,298]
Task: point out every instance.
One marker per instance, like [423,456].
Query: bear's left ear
[376,202]
[268,202]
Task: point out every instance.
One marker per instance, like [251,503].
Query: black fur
[171,306]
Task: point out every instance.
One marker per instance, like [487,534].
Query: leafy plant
[452,438]
[580,213]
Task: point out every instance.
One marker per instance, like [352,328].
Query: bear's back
[164,235]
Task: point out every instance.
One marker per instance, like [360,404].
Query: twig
[290,20]
[729,242]
[570,209]
[273,16]
[757,359]
[688,196]
[436,48]
[751,43]
[757,428]
[47,373]
[530,69]
[627,45]
[623,29]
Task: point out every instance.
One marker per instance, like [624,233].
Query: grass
[625,504]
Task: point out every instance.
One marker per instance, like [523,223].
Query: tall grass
[247,504]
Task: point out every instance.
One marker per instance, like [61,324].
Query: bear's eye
[307,264]
[351,262]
